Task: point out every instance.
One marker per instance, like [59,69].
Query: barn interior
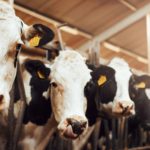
[119,26]
[111,28]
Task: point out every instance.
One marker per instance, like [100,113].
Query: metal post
[95,134]
[11,120]
[114,134]
[23,105]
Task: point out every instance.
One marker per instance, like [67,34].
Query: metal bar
[122,132]
[11,120]
[118,26]
[106,128]
[23,105]
[60,37]
[50,20]
[119,134]
[126,134]
[95,134]
[140,148]
[114,134]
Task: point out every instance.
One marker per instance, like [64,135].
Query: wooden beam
[128,5]
[148,39]
[118,26]
[116,48]
[50,20]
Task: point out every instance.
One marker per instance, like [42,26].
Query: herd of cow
[67,94]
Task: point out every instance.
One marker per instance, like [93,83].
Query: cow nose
[77,126]
[1,98]
[126,107]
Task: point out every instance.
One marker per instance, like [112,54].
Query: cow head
[36,78]
[140,93]
[13,33]
[109,89]
[122,103]
[69,75]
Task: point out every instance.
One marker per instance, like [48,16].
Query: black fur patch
[46,33]
[96,94]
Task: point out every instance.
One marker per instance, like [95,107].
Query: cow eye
[18,46]
[54,84]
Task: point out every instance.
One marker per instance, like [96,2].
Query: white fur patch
[10,34]
[147,92]
[122,77]
[46,94]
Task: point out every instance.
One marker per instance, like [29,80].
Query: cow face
[109,89]
[13,32]
[122,103]
[140,93]
[69,75]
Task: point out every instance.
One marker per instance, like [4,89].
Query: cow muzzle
[72,128]
[124,108]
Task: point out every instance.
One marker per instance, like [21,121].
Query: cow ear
[36,67]
[37,35]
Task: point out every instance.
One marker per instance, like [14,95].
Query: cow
[108,91]
[36,79]
[36,76]
[69,75]
[140,93]
[13,33]
[55,95]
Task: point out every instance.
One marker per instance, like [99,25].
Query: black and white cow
[37,82]
[36,79]
[13,32]
[69,75]
[108,91]
[140,93]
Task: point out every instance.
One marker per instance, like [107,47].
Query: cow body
[13,33]
[108,91]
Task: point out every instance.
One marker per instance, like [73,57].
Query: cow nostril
[125,108]
[120,105]
[1,98]
[131,107]
[83,124]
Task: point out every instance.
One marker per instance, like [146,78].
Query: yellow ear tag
[141,85]
[35,41]
[102,79]
[40,75]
